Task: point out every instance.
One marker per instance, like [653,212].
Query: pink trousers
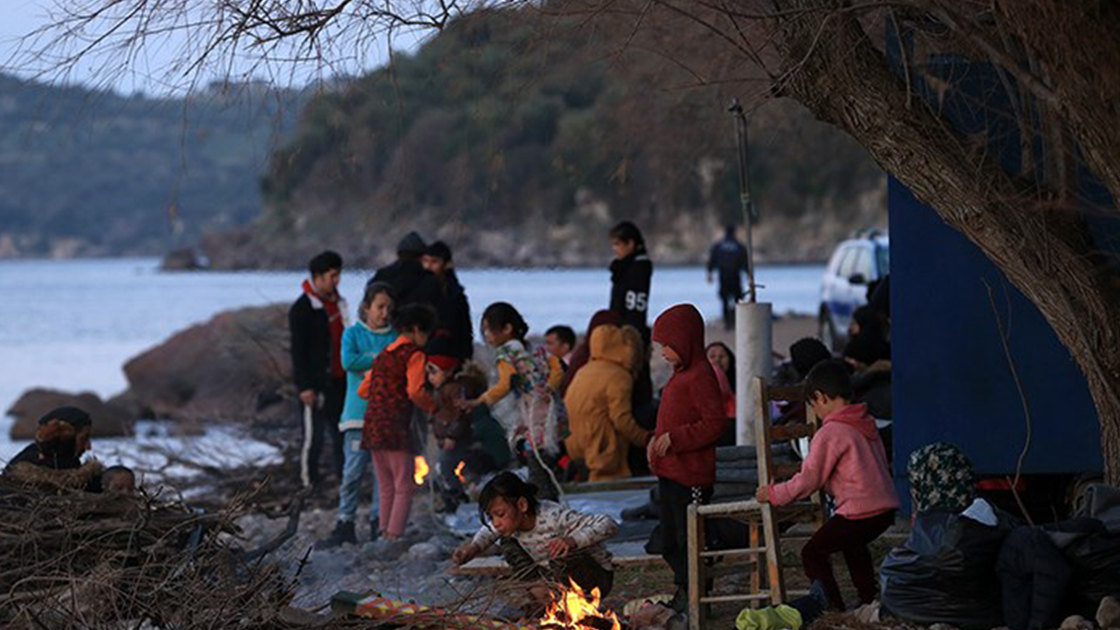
[395,480]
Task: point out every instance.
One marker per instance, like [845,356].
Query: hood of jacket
[609,343]
[682,329]
[856,416]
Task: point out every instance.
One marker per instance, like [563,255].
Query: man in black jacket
[729,256]
[411,283]
[316,320]
[453,309]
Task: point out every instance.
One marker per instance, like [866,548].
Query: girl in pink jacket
[847,460]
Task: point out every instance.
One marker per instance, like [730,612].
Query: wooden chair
[762,519]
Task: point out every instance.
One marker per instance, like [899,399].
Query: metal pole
[742,140]
[753,325]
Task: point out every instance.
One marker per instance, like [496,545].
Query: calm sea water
[71,325]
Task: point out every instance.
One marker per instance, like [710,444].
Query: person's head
[941,478]
[828,387]
[376,309]
[118,480]
[411,247]
[865,319]
[721,356]
[437,258]
[626,239]
[729,231]
[442,361]
[64,433]
[806,353]
[560,341]
[415,322]
[508,502]
[326,272]
[680,333]
[501,322]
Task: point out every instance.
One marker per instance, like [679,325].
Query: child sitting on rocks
[543,542]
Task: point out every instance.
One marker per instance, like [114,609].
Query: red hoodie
[691,410]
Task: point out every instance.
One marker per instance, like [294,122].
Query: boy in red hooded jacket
[846,459]
[690,420]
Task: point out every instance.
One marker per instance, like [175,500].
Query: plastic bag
[1095,560]
[945,573]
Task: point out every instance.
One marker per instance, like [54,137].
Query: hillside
[520,142]
[92,173]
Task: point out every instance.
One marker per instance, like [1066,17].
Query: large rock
[235,367]
[110,419]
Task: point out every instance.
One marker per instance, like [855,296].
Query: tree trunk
[1043,248]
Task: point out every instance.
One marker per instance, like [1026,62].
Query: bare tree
[1063,59]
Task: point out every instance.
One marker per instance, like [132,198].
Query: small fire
[459,471]
[576,610]
[421,470]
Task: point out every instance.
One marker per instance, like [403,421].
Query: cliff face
[520,140]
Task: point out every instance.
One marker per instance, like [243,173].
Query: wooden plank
[759,560]
[733,553]
[765,478]
[695,580]
[784,393]
[741,597]
[787,432]
[495,566]
[629,483]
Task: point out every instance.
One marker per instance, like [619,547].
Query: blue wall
[950,375]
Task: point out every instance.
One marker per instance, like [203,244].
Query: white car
[856,263]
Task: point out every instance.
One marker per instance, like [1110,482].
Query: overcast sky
[150,73]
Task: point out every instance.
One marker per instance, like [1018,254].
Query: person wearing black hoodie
[412,284]
[452,309]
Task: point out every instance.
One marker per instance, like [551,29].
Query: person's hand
[464,554]
[307,397]
[762,494]
[448,444]
[561,547]
[659,446]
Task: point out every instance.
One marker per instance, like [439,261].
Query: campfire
[577,610]
[422,470]
[459,471]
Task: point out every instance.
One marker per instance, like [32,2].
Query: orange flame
[573,606]
[421,470]
[459,471]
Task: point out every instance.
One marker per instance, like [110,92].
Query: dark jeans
[850,538]
[324,424]
[730,292]
[577,567]
[674,500]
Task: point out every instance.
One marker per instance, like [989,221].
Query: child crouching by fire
[543,542]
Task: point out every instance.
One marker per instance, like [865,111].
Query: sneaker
[343,533]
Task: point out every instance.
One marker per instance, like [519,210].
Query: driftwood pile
[72,559]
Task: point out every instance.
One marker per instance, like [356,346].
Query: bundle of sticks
[75,559]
